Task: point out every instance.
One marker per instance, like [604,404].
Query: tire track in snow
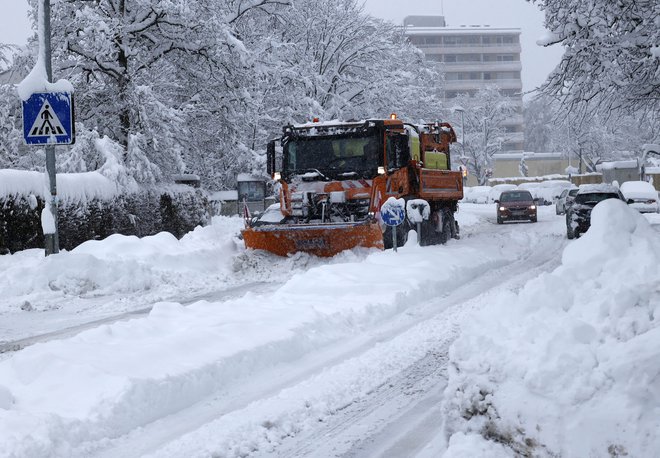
[221,295]
[402,415]
[184,429]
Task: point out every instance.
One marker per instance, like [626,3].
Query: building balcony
[471,49]
[452,67]
[458,85]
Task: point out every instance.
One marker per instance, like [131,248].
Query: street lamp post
[461,110]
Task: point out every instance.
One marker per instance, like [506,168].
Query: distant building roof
[529,156]
[463,30]
[225,195]
[617,165]
[424,21]
[250,177]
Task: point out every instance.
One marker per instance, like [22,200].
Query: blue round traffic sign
[392,215]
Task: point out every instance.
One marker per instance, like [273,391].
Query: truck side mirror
[270,158]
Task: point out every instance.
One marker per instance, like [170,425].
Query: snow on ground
[582,328]
[122,274]
[103,382]
[570,366]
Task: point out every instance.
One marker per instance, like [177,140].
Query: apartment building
[472,57]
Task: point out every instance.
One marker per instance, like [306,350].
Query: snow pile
[570,366]
[121,264]
[476,194]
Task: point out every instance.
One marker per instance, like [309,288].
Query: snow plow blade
[323,240]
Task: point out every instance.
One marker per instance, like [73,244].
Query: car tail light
[650,201]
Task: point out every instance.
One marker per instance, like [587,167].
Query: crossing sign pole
[52,241]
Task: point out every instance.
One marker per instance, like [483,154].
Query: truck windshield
[331,154]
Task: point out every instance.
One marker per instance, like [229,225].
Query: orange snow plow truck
[334,176]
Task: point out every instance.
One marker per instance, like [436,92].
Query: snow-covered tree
[335,61]
[201,87]
[612,53]
[589,140]
[483,117]
[540,124]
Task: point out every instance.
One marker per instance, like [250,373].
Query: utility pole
[51,241]
[461,110]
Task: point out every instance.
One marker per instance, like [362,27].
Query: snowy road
[341,358]
[374,416]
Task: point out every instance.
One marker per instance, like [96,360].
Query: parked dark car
[516,205]
[578,215]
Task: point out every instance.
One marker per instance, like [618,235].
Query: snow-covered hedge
[92,207]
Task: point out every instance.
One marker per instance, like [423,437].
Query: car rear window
[515,196]
[594,197]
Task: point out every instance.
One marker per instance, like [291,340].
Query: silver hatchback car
[565,200]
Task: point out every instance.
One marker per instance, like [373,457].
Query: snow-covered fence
[92,207]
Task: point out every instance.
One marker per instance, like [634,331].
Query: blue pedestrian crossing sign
[48,119]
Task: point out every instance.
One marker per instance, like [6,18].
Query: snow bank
[121,264]
[570,365]
[476,194]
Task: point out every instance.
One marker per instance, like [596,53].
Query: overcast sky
[537,62]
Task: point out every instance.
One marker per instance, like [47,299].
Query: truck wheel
[447,223]
[428,235]
[401,236]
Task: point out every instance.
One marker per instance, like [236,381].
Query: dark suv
[516,205]
[578,215]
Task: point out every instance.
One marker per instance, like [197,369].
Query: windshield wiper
[313,173]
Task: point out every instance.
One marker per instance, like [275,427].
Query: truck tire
[401,236]
[448,227]
[429,235]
